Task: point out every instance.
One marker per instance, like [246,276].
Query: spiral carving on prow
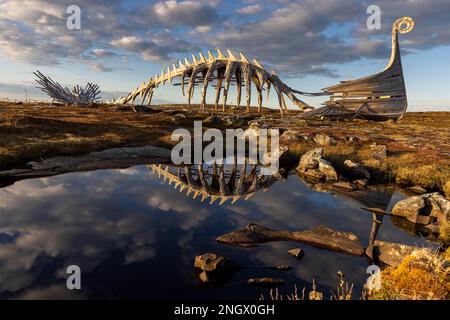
[222,71]
[403,25]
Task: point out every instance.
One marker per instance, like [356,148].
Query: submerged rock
[345,185]
[281,267]
[431,209]
[211,262]
[213,266]
[319,237]
[296,253]
[266,282]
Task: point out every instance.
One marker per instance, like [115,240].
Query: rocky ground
[414,152]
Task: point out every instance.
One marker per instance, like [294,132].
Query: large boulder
[388,253]
[313,165]
[310,160]
[327,169]
[431,210]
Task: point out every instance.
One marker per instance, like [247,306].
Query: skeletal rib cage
[78,95]
[222,71]
[216,182]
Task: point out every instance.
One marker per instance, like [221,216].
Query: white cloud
[251,9]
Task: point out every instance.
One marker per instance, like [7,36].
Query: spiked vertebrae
[223,70]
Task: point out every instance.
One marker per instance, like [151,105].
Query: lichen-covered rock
[310,160]
[356,170]
[313,165]
[211,262]
[292,135]
[378,151]
[426,209]
[388,253]
[324,140]
[314,174]
[327,169]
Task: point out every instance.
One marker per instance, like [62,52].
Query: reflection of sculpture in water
[217,182]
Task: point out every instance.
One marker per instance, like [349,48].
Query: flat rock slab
[106,159]
[319,237]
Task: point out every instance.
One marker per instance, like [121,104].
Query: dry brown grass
[420,276]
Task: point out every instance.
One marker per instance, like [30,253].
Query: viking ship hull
[377,97]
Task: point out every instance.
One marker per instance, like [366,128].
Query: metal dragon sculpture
[224,70]
[380,96]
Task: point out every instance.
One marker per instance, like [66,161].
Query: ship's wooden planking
[378,97]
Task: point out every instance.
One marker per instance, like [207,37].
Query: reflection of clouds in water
[81,218]
[291,205]
[79,226]
[53,292]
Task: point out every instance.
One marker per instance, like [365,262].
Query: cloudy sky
[310,43]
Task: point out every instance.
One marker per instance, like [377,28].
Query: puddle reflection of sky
[135,237]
